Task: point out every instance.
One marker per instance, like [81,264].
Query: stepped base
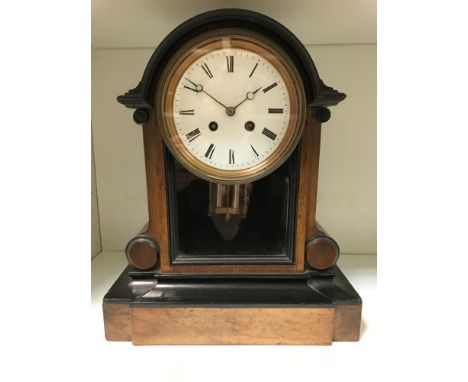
[313,309]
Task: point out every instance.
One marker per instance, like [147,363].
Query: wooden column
[322,251]
[314,127]
[157,227]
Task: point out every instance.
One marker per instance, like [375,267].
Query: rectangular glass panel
[250,223]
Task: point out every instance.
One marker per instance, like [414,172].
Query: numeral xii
[230,63]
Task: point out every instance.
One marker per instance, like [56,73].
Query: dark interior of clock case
[264,235]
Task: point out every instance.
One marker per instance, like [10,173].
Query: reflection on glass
[245,220]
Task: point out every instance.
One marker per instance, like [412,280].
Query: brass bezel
[190,52]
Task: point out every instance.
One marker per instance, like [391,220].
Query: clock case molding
[140,305]
[317,93]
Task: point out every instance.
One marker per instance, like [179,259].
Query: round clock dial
[232,109]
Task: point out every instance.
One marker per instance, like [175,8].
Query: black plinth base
[314,308]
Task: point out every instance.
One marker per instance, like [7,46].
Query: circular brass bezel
[186,56]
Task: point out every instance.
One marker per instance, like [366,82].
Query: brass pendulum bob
[228,205]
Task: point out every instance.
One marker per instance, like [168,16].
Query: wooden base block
[117,321]
[347,323]
[232,326]
[255,310]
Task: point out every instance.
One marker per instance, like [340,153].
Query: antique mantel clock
[231,106]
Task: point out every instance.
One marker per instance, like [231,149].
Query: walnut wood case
[302,299]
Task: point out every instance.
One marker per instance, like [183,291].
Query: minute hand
[209,95]
[199,88]
[249,95]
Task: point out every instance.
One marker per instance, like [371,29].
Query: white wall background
[339,35]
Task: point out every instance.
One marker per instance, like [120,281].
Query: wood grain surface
[230,326]
[157,227]
[306,225]
[117,324]
[313,143]
[157,199]
[347,325]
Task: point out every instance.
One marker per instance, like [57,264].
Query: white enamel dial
[231,109]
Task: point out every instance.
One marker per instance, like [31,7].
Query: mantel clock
[231,107]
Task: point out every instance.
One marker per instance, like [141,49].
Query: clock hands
[199,88]
[229,109]
[209,95]
[248,96]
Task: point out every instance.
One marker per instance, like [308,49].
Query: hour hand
[248,96]
[197,88]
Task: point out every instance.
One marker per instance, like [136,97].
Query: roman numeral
[255,151]
[210,151]
[270,134]
[230,63]
[231,156]
[207,70]
[275,111]
[187,112]
[194,134]
[253,70]
[270,87]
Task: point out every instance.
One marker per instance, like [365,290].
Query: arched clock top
[317,93]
